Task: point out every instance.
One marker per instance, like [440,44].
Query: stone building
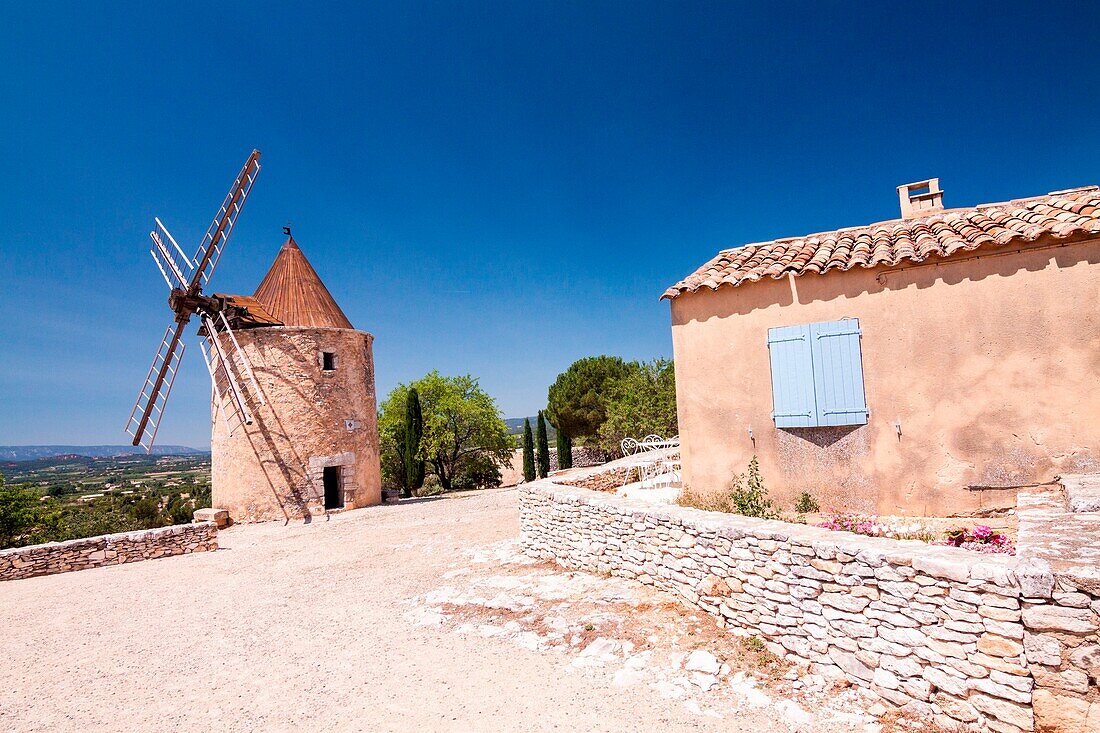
[312,445]
[929,364]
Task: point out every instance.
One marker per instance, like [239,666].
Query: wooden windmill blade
[213,244]
[242,360]
[145,417]
[185,278]
[217,390]
[225,380]
[171,261]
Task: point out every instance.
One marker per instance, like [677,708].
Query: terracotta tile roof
[292,292]
[1063,214]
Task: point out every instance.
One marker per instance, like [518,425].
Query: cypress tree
[414,431]
[543,447]
[565,451]
[528,452]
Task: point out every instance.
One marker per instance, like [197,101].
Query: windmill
[232,380]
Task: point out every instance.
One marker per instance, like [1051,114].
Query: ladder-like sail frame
[145,417]
[185,278]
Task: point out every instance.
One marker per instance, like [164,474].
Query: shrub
[23,517]
[479,472]
[179,510]
[806,504]
[430,487]
[147,512]
[708,501]
[102,516]
[747,495]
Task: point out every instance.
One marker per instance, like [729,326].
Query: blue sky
[494,189]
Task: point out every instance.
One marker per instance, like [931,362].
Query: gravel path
[313,627]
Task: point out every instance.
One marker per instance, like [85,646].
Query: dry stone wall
[603,481]
[1059,544]
[110,549]
[934,630]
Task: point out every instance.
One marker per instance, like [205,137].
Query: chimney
[920,198]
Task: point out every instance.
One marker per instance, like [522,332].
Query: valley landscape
[85,495]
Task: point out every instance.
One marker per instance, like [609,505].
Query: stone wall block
[114,549]
[974,642]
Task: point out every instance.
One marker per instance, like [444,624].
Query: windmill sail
[242,361]
[185,278]
[215,394]
[145,417]
[232,397]
[213,244]
[171,261]
[220,384]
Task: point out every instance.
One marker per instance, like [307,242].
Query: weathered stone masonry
[109,549]
[1060,530]
[935,630]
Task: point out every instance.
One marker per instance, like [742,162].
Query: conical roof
[293,292]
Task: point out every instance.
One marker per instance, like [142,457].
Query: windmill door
[334,492]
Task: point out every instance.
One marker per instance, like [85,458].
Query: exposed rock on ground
[617,630]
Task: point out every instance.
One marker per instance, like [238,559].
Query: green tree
[642,403]
[105,515]
[414,432]
[528,452]
[391,440]
[180,510]
[147,512]
[542,447]
[565,450]
[577,401]
[22,516]
[461,424]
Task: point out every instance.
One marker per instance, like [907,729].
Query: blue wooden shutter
[838,373]
[793,399]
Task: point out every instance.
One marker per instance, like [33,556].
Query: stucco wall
[989,364]
[273,468]
[109,549]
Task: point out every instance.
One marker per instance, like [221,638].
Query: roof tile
[1061,215]
[293,292]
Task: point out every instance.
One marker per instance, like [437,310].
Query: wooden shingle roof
[1065,215]
[292,292]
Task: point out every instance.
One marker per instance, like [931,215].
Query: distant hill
[515,427]
[68,460]
[32,452]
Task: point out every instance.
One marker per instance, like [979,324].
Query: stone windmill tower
[312,445]
[293,406]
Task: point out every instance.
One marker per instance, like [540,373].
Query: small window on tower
[328,361]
